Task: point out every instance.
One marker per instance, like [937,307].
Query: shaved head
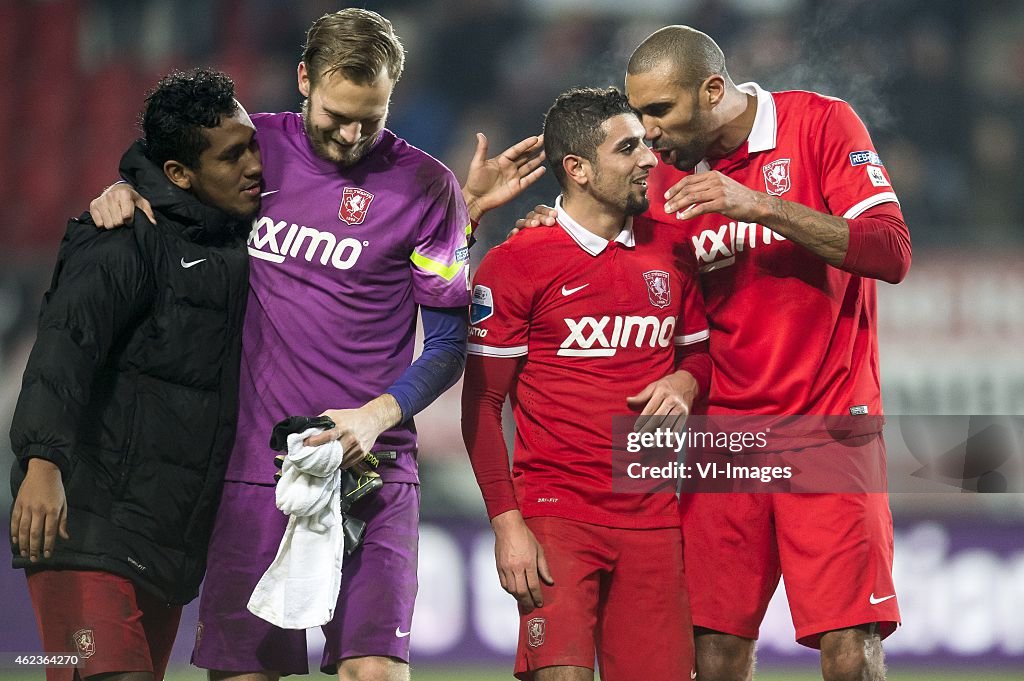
[691,55]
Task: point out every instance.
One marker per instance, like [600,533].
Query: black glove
[295,424]
[353,528]
[355,484]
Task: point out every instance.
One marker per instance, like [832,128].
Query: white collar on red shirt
[764,132]
[587,240]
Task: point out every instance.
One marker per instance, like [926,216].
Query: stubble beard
[327,150]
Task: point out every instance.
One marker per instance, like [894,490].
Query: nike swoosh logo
[570,291]
[401,634]
[693,674]
[186,265]
[876,601]
[272,191]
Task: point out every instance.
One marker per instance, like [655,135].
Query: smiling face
[679,128]
[228,173]
[618,177]
[343,118]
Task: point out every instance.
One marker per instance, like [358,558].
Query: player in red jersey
[791,217]
[582,323]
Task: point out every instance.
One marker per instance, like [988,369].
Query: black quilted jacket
[132,386]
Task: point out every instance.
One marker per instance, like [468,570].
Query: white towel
[300,588]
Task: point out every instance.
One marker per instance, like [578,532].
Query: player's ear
[178,174]
[576,168]
[712,90]
[303,76]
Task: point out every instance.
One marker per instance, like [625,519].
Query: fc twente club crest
[776,177]
[354,204]
[658,288]
[536,628]
[85,642]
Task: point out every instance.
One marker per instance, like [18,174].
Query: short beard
[632,204]
[696,151]
[323,148]
[635,206]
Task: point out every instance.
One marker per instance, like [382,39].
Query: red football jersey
[790,334]
[594,322]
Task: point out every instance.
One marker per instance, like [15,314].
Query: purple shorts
[378,585]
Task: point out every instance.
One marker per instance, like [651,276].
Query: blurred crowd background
[939,83]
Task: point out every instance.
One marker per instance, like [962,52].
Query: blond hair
[358,43]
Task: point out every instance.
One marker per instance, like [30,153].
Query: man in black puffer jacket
[128,408]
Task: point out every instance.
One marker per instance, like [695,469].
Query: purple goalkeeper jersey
[340,259]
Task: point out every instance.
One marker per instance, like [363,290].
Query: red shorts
[617,593]
[110,624]
[834,551]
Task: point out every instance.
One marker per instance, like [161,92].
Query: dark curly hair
[572,126]
[179,107]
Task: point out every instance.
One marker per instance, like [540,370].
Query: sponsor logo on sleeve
[462,254]
[483,304]
[860,158]
[354,204]
[877,177]
[776,177]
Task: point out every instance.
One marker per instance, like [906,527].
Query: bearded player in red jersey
[580,323]
[791,217]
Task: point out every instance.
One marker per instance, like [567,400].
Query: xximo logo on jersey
[717,248]
[295,239]
[592,337]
